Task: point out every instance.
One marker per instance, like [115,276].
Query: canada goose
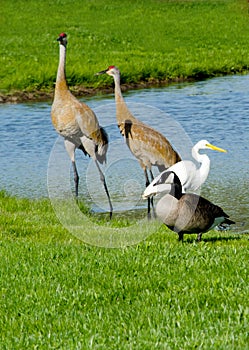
[188,213]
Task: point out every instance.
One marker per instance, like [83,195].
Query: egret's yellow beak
[209,145]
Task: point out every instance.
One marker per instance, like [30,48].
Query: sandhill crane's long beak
[209,145]
[102,72]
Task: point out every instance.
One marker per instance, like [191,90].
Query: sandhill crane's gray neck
[123,114]
[118,92]
[61,74]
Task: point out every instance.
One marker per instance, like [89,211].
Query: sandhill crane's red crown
[110,67]
[62,39]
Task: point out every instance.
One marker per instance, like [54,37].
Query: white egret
[191,176]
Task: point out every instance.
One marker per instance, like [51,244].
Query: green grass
[59,293]
[148,40]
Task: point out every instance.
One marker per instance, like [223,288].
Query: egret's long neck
[61,83]
[204,161]
[122,112]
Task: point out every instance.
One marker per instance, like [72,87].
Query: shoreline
[81,91]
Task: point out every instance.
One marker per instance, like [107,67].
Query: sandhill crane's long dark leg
[102,179]
[70,147]
[151,198]
[76,178]
[147,182]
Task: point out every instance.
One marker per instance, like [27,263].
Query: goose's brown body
[189,212]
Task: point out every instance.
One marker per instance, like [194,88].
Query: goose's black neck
[176,187]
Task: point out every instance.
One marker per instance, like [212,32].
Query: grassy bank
[57,292]
[149,41]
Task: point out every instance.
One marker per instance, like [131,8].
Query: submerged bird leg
[199,237]
[102,179]
[76,178]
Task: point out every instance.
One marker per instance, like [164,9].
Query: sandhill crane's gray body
[149,146]
[77,123]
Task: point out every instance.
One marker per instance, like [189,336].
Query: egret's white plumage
[188,212]
[190,175]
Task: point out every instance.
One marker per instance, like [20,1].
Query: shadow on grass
[238,236]
[214,239]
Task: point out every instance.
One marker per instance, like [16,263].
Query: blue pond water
[215,109]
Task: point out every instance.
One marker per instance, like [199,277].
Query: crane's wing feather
[148,145]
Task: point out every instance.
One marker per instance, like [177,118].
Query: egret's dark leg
[76,178]
[180,236]
[199,237]
[102,179]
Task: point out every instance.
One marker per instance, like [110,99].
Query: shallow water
[215,109]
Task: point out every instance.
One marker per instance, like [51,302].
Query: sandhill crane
[188,212]
[190,176]
[149,146]
[77,123]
